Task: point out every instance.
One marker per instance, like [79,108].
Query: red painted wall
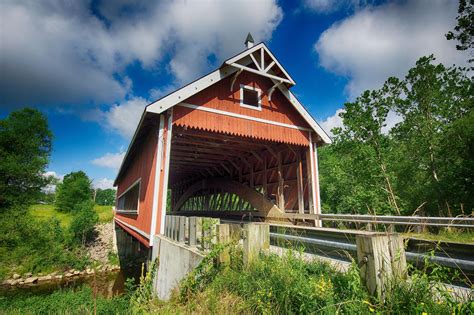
[141,166]
[219,96]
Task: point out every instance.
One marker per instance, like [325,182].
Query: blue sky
[92,66]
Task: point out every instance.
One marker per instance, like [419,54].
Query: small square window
[250,97]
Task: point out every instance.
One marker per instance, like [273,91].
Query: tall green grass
[68,301]
[290,285]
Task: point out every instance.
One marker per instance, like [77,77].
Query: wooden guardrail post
[192,240]
[181,229]
[256,238]
[223,237]
[381,258]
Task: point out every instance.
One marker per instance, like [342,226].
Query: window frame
[135,183]
[259,97]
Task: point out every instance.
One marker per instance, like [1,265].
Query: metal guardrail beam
[457,222]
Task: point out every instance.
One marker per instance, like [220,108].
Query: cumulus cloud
[104,183]
[386,40]
[335,121]
[123,118]
[58,52]
[110,160]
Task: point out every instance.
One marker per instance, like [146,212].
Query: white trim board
[226,113]
[254,89]
[156,184]
[133,228]
[164,197]
[135,183]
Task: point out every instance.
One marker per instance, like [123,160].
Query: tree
[464,30]
[434,97]
[74,190]
[105,197]
[82,227]
[25,148]
[364,120]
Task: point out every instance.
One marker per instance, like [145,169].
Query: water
[106,284]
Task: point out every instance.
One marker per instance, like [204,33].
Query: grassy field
[48,211]
[465,237]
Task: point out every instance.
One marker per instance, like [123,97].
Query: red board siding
[219,96]
[142,166]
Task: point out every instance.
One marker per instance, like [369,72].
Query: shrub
[82,227]
[30,245]
[74,190]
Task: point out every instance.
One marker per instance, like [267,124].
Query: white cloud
[334,121]
[51,188]
[386,40]
[123,118]
[103,183]
[62,53]
[110,160]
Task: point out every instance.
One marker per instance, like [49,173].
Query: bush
[30,245]
[74,190]
[82,227]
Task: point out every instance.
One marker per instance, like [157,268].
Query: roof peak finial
[249,41]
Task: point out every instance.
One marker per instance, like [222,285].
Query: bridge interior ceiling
[278,171]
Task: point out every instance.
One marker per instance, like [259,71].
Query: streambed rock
[31,280]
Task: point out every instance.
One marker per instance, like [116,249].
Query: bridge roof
[257,59]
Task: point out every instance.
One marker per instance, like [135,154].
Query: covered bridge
[233,142]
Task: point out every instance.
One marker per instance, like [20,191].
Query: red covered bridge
[232,142]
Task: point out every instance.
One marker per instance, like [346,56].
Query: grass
[466,237]
[46,212]
[66,301]
[290,285]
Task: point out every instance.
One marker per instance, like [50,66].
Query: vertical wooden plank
[264,179]
[310,182]
[192,231]
[181,228]
[280,192]
[299,182]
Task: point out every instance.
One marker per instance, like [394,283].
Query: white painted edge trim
[130,145]
[265,74]
[313,186]
[142,233]
[139,183]
[302,110]
[164,197]
[318,195]
[156,185]
[189,90]
[252,50]
[222,112]
[250,88]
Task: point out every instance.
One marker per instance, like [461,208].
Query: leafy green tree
[75,189]
[82,228]
[464,29]
[105,197]
[424,164]
[25,148]
[364,120]
[433,98]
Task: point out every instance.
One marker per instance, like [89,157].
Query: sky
[92,66]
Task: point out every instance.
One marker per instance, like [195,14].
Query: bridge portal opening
[230,174]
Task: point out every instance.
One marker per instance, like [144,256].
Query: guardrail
[456,222]
[341,245]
